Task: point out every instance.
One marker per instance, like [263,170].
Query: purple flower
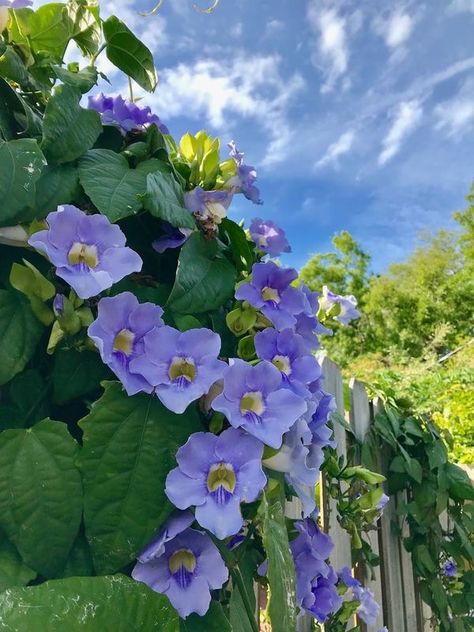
[186,571]
[181,366]
[172,237]
[118,333]
[208,205]
[299,463]
[307,325]
[347,305]
[124,114]
[450,568]
[325,406]
[289,353]
[270,292]
[88,251]
[243,182]
[349,580]
[368,609]
[253,398]
[269,237]
[382,502]
[15,4]
[216,474]
[176,524]
[316,590]
[324,599]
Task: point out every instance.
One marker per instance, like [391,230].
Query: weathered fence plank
[390,564]
[360,420]
[341,555]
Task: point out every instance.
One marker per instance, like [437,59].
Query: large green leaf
[281,571]
[459,483]
[46,31]
[40,493]
[13,571]
[76,373]
[164,198]
[110,183]
[204,278]
[213,621]
[58,184]
[129,54]
[83,79]
[87,604]
[68,129]
[129,448]
[86,29]
[21,162]
[20,332]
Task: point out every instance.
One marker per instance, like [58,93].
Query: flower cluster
[125,115]
[275,401]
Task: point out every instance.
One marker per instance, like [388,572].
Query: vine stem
[130,89]
[237,579]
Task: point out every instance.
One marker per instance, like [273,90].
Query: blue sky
[357,115]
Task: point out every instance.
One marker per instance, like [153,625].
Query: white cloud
[331,52]
[461,6]
[273,26]
[395,29]
[218,90]
[340,147]
[236,30]
[406,118]
[456,115]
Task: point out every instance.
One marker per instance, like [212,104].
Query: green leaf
[20,332]
[58,184]
[79,562]
[13,68]
[13,571]
[111,184]
[83,80]
[40,493]
[68,129]
[27,393]
[164,198]
[239,620]
[46,31]
[459,483]
[76,373]
[281,571]
[129,54]
[437,454]
[241,247]
[129,448]
[92,604]
[213,621]
[86,29]
[21,162]
[204,279]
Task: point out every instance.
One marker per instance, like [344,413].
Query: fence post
[341,555]
[360,419]
[390,564]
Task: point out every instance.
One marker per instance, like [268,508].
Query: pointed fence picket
[393,582]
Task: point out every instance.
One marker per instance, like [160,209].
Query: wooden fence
[392,583]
